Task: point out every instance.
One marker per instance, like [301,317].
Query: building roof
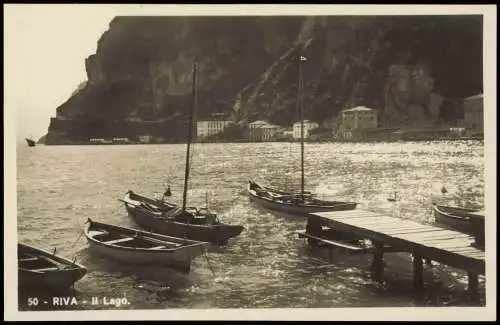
[259,122]
[305,122]
[358,109]
[214,118]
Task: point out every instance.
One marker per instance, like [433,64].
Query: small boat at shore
[293,203]
[30,142]
[455,218]
[40,268]
[132,246]
[169,219]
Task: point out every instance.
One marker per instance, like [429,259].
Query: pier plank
[402,227]
[374,223]
[404,231]
[367,219]
[357,213]
[419,237]
[428,241]
[448,245]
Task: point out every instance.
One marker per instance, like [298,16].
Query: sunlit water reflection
[59,187]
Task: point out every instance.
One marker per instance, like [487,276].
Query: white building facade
[262,131]
[308,126]
[206,128]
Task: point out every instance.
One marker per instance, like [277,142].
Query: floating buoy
[392,199]
[444,190]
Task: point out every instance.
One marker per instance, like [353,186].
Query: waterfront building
[210,126]
[121,140]
[473,112]
[146,138]
[308,126]
[262,131]
[359,118]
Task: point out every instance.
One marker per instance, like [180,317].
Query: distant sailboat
[180,221]
[31,142]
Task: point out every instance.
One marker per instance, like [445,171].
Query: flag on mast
[303,58]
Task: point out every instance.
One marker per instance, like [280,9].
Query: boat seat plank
[120,240]
[28,259]
[159,247]
[172,243]
[98,232]
[46,269]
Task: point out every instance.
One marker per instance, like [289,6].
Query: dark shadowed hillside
[139,80]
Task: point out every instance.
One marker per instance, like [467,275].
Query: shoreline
[75,143]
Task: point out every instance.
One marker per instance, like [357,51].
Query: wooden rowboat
[132,246]
[469,221]
[293,203]
[40,268]
[169,219]
[455,218]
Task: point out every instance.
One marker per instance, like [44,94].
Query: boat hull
[217,234]
[179,260]
[30,142]
[296,209]
[144,248]
[62,279]
[454,218]
[57,271]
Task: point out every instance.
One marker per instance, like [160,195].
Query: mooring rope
[208,261]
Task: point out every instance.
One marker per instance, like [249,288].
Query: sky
[45,51]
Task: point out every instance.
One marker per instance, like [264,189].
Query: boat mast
[301,109]
[190,130]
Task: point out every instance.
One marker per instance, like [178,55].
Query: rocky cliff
[139,79]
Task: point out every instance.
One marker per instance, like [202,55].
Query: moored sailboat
[182,221]
[300,202]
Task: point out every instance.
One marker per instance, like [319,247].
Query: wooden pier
[389,234]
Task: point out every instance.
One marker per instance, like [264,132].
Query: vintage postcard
[250,162]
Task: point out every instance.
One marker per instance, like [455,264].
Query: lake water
[59,187]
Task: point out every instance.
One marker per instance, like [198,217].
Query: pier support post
[472,284]
[378,258]
[418,272]
[330,254]
[428,261]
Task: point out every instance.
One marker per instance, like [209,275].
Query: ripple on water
[59,187]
